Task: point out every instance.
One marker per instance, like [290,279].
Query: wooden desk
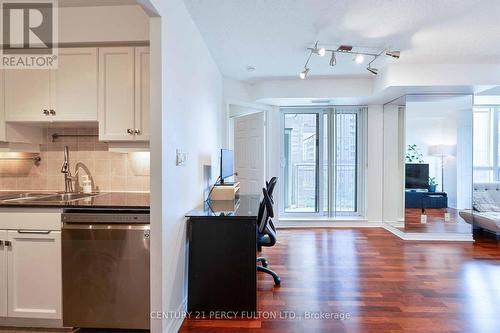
[222,256]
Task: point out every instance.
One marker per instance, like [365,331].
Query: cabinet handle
[46,112]
[130,131]
[1,242]
[52,112]
[8,243]
[34,232]
[137,131]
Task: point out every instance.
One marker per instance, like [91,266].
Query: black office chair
[270,189]
[270,186]
[266,234]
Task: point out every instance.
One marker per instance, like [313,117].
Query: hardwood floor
[435,222]
[383,283]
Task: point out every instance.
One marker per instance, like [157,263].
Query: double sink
[26,197]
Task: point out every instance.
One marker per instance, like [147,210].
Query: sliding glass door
[321,157]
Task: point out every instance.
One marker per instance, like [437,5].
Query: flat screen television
[226,164]
[417,176]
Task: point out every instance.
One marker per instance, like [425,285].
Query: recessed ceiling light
[359,58]
[250,68]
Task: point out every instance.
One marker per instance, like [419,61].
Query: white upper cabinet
[68,93]
[116,94]
[123,94]
[3,274]
[74,85]
[34,274]
[27,94]
[142,93]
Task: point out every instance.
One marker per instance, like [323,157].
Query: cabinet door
[116,94]
[74,85]
[142,93]
[27,94]
[3,274]
[34,274]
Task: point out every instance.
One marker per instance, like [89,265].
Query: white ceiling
[272,34]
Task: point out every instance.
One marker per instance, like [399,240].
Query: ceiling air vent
[320,101]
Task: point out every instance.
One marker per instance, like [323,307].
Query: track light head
[333,59]
[372,70]
[321,51]
[394,54]
[304,73]
[359,58]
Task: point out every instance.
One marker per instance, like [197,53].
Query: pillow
[483,202]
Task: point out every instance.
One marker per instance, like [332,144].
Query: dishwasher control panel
[91,217]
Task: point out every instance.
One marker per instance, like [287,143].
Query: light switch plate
[423,219]
[180,157]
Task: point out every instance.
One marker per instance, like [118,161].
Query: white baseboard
[437,236]
[175,325]
[326,223]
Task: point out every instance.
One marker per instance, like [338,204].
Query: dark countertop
[102,200]
[244,207]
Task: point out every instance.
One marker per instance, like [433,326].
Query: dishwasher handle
[98,226]
[34,232]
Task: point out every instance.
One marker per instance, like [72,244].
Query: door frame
[252,108]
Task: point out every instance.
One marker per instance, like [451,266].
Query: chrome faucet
[68,178]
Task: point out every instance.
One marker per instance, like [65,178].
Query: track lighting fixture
[359,56]
[372,70]
[304,73]
[321,51]
[333,59]
[394,54]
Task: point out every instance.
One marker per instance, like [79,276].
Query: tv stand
[425,199]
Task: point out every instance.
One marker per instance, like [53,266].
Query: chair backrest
[270,186]
[266,213]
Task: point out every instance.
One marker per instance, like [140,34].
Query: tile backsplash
[109,171]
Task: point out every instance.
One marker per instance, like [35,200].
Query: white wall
[375,163]
[103,24]
[393,164]
[356,87]
[192,113]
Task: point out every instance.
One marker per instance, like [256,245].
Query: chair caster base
[263,260]
[276,278]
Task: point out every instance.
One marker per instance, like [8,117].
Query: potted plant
[432,184]
[413,154]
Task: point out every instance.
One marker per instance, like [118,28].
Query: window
[301,155]
[321,156]
[486,147]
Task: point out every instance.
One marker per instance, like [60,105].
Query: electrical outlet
[180,157]
[447,217]
[423,219]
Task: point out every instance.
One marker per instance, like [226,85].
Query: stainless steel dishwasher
[105,267]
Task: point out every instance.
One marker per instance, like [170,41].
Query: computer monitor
[226,164]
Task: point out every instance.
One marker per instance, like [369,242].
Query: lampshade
[442,150]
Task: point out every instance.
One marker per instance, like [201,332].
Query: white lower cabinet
[32,271]
[3,274]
